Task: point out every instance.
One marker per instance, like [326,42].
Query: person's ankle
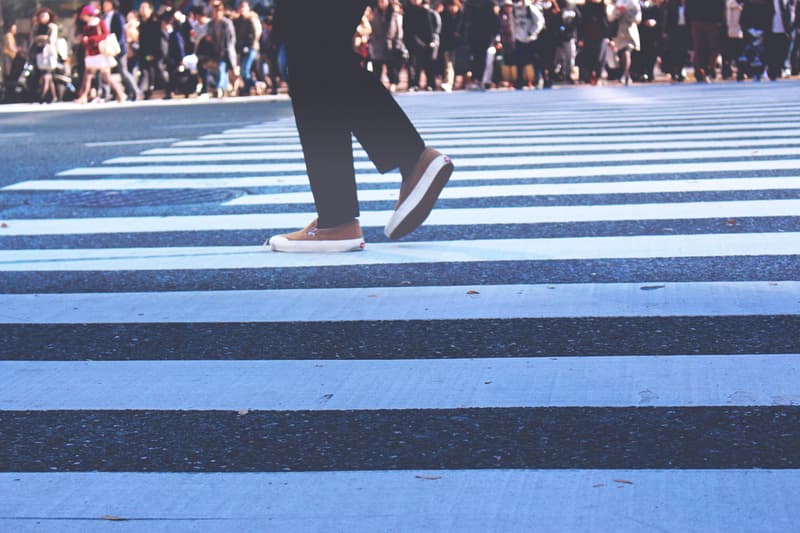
[325,224]
[407,167]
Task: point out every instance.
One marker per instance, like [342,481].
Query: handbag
[109,46]
[47,59]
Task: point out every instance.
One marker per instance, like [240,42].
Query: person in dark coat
[176,51]
[676,38]
[548,42]
[151,51]
[650,31]
[418,37]
[592,32]
[778,36]
[334,98]
[481,25]
[705,20]
[451,39]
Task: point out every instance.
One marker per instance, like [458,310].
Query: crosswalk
[598,328]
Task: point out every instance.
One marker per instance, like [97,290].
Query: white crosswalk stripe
[593,302]
[472,251]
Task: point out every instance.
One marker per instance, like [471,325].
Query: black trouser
[333,98]
[420,61]
[590,63]
[731,52]
[705,39]
[392,71]
[526,54]
[154,74]
[777,45]
[678,46]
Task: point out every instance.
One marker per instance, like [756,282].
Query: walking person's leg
[106,74]
[146,81]
[88,76]
[697,47]
[714,38]
[222,81]
[333,99]
[777,46]
[127,77]
[521,60]
[247,70]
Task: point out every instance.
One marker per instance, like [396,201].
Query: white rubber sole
[418,195]
[280,243]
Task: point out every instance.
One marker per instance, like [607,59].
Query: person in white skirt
[94,32]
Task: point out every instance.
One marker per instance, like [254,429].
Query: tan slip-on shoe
[419,193]
[344,238]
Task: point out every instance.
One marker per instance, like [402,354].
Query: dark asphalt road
[37,145]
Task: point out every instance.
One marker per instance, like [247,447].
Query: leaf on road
[731,222]
[429,478]
[3,225]
[472,292]
[624,481]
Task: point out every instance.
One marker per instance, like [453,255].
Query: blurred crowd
[228,48]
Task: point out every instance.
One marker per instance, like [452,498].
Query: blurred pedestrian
[527,21]
[481,24]
[269,54]
[677,38]
[592,34]
[628,14]
[507,43]
[43,52]
[248,36]
[10,49]
[650,31]
[151,51]
[94,32]
[705,20]
[794,55]
[176,51]
[566,48]
[418,36]
[548,41]
[333,99]
[361,37]
[434,71]
[452,41]
[757,17]
[132,38]
[116,25]
[734,40]
[222,39]
[779,36]
[386,46]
